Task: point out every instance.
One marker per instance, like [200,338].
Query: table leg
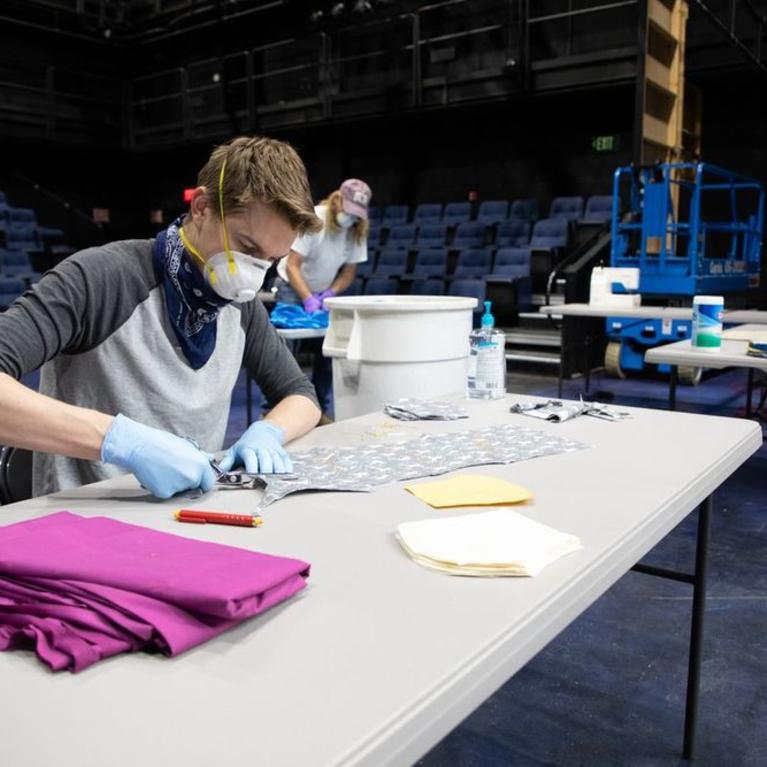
[587,366]
[762,399]
[561,369]
[672,382]
[749,392]
[698,581]
[696,630]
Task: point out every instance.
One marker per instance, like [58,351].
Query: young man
[141,341]
[323,264]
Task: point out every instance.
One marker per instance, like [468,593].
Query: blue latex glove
[259,450]
[162,462]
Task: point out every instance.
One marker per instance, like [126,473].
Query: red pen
[217,518]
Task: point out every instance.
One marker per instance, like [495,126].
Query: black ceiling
[120,22]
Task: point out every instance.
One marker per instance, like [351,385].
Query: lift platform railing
[691,227]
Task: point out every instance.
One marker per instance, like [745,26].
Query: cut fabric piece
[469,490]
[494,543]
[424,410]
[363,467]
[78,589]
[295,316]
[557,411]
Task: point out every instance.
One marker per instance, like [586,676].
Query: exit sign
[605,143]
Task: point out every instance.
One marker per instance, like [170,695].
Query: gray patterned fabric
[557,412]
[424,410]
[361,468]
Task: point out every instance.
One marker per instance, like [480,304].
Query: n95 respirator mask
[235,276]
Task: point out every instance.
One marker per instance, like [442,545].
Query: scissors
[239,480]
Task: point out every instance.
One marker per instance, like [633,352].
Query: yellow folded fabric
[469,490]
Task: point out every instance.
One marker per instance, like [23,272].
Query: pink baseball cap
[355,197]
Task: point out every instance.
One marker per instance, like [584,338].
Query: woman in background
[323,264]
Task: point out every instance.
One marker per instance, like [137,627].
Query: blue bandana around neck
[192,304]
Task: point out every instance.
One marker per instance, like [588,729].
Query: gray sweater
[97,324]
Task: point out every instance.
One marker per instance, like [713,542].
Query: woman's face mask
[345,220]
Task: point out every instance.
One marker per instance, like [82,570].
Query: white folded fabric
[492,543]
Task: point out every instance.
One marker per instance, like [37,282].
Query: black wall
[527,149]
[541,148]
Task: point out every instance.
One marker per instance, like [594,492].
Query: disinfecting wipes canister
[707,322]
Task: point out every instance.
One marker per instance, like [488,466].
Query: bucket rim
[402,303]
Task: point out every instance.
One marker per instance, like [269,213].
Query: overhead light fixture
[362,6]
[337,10]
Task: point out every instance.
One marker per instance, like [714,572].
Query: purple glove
[329,293]
[312,304]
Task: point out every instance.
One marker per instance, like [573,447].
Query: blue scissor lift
[691,229]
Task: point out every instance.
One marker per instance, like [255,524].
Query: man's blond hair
[263,169]
[334,203]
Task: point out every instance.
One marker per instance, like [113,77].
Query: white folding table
[602,311]
[379,658]
[732,354]
[300,334]
[751,316]
[733,316]
[605,310]
[663,313]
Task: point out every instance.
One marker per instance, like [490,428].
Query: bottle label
[487,367]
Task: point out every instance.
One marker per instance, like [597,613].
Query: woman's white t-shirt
[324,253]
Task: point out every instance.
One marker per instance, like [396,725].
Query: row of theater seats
[454,213]
[432,286]
[438,272]
[490,212]
[20,235]
[10,289]
[20,228]
[509,299]
[437,262]
[16,275]
[445,227]
[544,234]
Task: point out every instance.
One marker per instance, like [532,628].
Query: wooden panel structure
[661,88]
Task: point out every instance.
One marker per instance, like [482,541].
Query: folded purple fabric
[80,589]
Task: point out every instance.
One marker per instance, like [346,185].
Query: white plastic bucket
[386,347]
[707,323]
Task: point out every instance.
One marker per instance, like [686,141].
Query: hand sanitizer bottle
[487,360]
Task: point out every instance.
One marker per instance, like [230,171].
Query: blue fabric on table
[295,316]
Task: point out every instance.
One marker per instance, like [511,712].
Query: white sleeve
[356,253]
[303,244]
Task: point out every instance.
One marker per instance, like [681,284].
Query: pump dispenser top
[488,321]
